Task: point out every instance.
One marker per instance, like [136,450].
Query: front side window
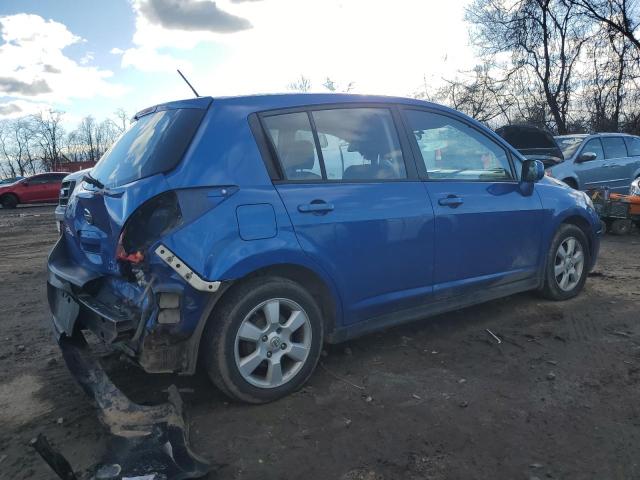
[451,150]
[359,144]
[594,146]
[614,147]
[291,136]
[569,144]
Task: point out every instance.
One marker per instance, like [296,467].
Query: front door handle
[316,207]
[452,201]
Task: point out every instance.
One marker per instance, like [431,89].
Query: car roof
[274,101]
[597,134]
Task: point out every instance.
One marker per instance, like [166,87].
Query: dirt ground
[438,399]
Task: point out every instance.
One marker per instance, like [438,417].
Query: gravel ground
[437,399]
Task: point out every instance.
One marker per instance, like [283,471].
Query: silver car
[599,160]
[68,185]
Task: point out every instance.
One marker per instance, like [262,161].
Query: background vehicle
[600,160]
[6,181]
[247,231]
[41,188]
[533,143]
[66,189]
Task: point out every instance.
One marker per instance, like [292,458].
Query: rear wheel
[567,263]
[264,340]
[9,201]
[620,226]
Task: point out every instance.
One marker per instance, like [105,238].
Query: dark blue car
[247,231]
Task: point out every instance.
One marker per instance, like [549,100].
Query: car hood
[533,142]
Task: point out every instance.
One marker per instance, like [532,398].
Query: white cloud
[383,47]
[87,58]
[192,15]
[20,108]
[34,67]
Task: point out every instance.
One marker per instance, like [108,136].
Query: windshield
[153,144]
[569,145]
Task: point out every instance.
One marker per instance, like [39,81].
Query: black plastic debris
[146,441]
[53,458]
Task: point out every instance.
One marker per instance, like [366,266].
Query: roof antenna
[187,81]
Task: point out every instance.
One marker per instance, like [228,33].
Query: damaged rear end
[110,272]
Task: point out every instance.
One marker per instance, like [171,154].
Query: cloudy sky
[91,57]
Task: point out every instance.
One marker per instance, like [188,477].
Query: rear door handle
[452,201]
[316,207]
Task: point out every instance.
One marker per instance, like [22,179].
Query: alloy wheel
[273,343]
[569,264]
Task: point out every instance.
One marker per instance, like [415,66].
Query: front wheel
[264,340]
[567,264]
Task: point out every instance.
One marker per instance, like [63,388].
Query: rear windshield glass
[569,145]
[153,144]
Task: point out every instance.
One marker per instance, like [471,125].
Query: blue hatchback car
[244,232]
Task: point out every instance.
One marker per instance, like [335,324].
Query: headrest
[299,155]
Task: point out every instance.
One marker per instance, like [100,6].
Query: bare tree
[542,36]
[16,146]
[478,94]
[621,16]
[49,134]
[122,119]
[303,84]
[332,86]
[85,136]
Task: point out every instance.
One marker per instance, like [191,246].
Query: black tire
[551,288]
[620,226]
[219,340]
[9,201]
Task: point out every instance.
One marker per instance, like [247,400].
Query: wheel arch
[10,194]
[572,182]
[307,278]
[319,287]
[583,225]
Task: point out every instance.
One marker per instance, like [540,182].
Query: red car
[41,188]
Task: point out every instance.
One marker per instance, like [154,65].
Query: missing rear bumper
[145,440]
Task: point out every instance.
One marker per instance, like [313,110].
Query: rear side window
[614,147]
[451,150]
[356,144]
[359,144]
[594,146]
[633,146]
[292,137]
[154,144]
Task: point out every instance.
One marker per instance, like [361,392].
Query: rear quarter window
[154,144]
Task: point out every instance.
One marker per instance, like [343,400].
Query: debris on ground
[493,335]
[146,441]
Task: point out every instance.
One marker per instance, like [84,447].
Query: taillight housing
[151,221]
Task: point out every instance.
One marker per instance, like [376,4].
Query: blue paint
[256,222]
[385,247]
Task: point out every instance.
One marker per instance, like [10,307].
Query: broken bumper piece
[147,441]
[191,277]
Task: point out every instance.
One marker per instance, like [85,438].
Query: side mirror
[532,171]
[587,157]
[25,183]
